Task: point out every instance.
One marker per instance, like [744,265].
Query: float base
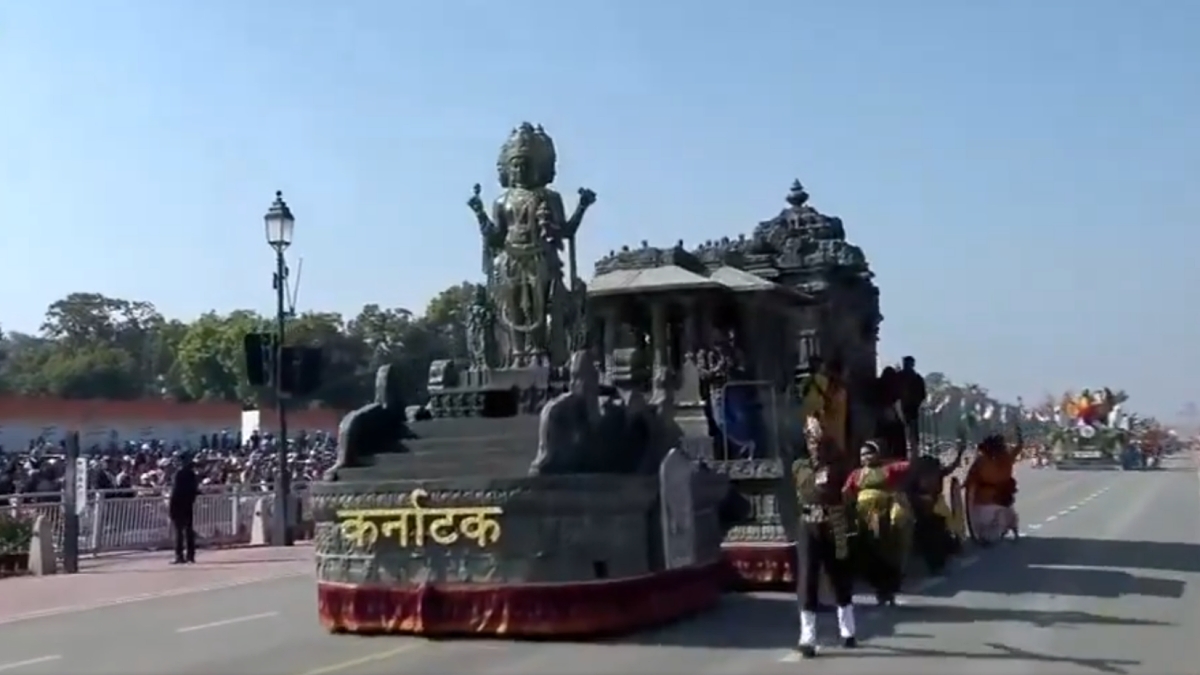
[546,611]
[760,567]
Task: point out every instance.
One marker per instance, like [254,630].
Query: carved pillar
[609,320]
[658,332]
[691,329]
[700,314]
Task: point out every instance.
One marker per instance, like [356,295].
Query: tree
[446,315]
[210,360]
[92,371]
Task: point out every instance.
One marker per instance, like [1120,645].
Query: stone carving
[565,438]
[443,374]
[576,318]
[373,429]
[619,432]
[522,240]
[803,238]
[647,256]
[481,329]
[678,513]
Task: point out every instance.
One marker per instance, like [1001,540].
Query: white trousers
[991,521]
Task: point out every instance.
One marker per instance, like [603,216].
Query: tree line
[91,346]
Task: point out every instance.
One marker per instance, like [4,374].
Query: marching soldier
[825,544]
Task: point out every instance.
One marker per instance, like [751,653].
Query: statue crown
[532,142]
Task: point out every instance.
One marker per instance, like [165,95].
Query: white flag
[942,404]
[1003,414]
[1114,415]
[989,412]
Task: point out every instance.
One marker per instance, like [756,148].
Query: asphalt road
[1105,580]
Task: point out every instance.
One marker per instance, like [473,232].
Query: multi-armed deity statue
[536,307]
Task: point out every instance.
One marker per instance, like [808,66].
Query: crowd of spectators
[132,468]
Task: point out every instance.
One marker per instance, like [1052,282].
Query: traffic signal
[259,349]
[301,370]
[300,374]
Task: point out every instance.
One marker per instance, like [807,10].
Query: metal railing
[139,520]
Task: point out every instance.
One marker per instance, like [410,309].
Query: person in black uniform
[184,489]
[825,528]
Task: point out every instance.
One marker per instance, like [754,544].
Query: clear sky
[1020,173]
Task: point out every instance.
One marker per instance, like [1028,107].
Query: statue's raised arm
[586,199]
[487,227]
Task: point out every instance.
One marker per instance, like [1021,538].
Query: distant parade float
[1091,431]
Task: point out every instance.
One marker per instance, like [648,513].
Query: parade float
[1090,431]
[541,496]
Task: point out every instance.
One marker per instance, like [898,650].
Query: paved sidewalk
[118,579]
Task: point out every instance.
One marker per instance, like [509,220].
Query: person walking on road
[184,490]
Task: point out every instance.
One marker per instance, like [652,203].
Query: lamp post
[279,225]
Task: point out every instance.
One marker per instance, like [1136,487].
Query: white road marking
[143,597]
[227,622]
[28,662]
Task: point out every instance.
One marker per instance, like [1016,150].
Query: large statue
[522,241]
[373,429]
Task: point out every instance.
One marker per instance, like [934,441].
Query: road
[1106,580]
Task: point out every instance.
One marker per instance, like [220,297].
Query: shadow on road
[1080,567]
[883,622]
[740,622]
[998,652]
[1146,555]
[757,622]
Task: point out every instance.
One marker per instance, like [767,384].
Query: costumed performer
[933,521]
[992,489]
[876,490]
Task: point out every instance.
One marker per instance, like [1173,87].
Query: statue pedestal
[528,377]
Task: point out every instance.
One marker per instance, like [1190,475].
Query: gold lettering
[478,524]
[441,530]
[400,524]
[358,529]
[481,529]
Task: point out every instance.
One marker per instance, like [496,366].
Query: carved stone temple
[735,322]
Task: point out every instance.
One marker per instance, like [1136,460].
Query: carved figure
[665,433]
[568,421]
[575,319]
[373,429]
[522,240]
[481,330]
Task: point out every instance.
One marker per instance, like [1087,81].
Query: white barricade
[139,520]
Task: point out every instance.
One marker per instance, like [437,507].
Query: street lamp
[279,226]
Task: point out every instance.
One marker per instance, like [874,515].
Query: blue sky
[1021,174]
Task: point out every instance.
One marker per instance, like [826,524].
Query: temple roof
[675,278]
[664,278]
